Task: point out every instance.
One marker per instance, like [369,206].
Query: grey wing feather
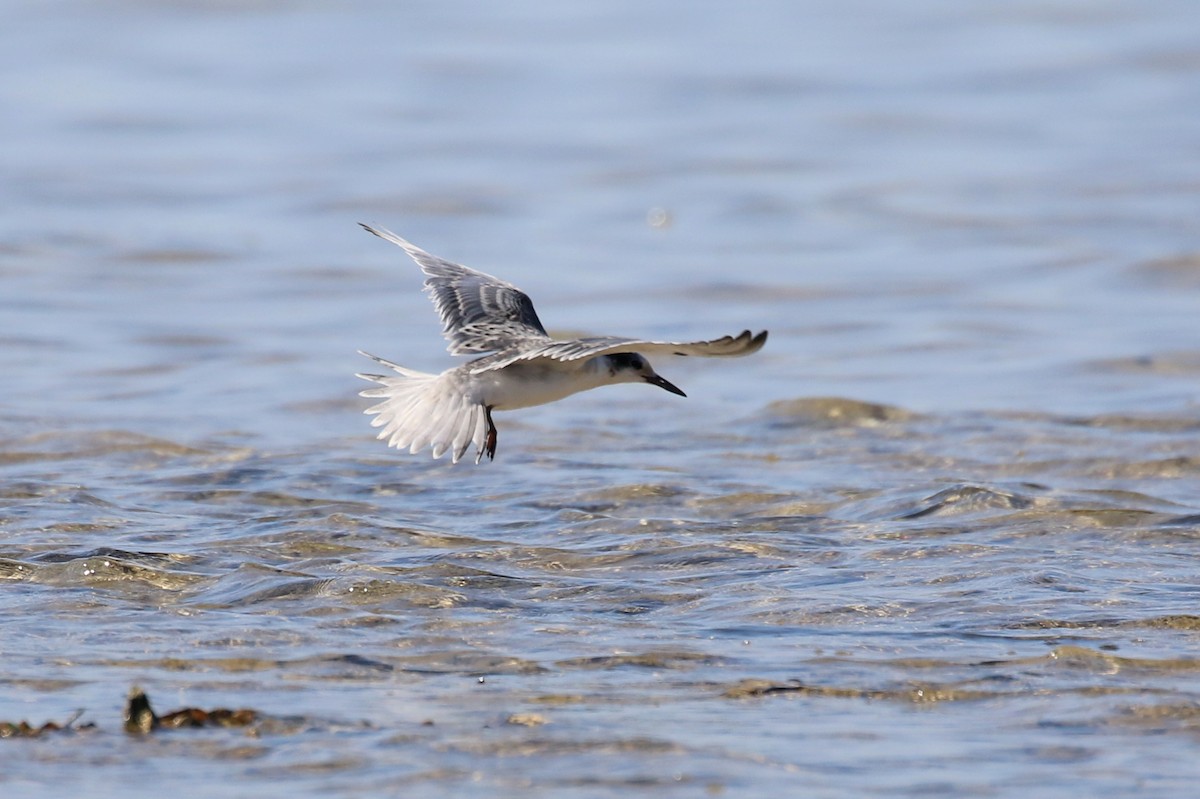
[744,343]
[479,313]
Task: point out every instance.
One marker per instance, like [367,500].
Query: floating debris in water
[141,719]
[23,729]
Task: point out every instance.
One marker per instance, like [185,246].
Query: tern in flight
[521,366]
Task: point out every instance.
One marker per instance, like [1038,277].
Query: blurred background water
[939,537]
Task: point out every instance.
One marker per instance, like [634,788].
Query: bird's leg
[489,445]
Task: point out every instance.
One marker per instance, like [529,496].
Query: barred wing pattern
[744,343]
[479,313]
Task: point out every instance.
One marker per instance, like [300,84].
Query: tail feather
[465,433]
[446,427]
[419,410]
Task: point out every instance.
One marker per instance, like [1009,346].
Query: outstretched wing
[480,313]
[576,349]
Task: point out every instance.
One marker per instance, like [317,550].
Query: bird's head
[629,367]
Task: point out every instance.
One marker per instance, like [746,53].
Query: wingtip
[748,342]
[388,235]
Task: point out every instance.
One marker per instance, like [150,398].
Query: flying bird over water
[521,366]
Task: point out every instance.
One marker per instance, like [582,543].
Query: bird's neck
[601,370]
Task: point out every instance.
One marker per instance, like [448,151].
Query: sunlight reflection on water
[936,535]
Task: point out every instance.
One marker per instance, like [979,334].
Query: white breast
[523,385]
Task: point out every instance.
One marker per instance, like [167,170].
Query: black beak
[663,383]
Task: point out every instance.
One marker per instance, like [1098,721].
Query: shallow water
[938,537]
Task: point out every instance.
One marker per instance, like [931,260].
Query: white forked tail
[422,410]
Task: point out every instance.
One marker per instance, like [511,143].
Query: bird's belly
[523,386]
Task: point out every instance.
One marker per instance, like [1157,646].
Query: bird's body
[528,383]
[526,367]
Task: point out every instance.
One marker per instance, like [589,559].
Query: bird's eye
[635,362]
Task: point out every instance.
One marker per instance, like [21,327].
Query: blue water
[938,537]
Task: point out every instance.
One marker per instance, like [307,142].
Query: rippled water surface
[939,537]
